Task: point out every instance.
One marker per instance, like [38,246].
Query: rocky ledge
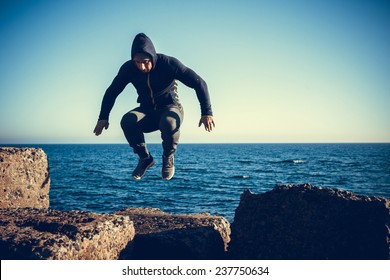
[28,233]
[288,222]
[133,233]
[160,235]
[24,178]
[308,222]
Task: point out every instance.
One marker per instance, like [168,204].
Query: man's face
[143,63]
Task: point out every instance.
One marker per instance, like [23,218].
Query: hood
[143,44]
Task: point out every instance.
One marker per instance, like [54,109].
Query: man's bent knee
[128,120]
[170,122]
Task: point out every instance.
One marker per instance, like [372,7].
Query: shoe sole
[137,178]
[169,178]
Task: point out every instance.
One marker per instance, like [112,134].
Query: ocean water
[209,177]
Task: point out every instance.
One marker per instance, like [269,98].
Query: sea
[209,177]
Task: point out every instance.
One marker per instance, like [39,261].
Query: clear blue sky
[277,71]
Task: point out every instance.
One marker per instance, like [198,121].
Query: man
[154,77]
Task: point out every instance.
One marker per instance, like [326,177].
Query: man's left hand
[208,122]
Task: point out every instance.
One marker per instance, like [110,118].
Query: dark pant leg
[134,124]
[171,119]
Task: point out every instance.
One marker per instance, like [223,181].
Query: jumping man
[154,77]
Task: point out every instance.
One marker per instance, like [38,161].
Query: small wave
[94,171]
[267,171]
[245,161]
[240,177]
[294,161]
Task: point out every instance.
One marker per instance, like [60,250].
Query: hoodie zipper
[151,92]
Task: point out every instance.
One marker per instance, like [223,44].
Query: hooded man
[154,77]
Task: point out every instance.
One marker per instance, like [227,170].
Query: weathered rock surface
[24,178]
[160,235]
[307,222]
[28,233]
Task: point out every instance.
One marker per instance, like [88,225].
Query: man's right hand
[99,127]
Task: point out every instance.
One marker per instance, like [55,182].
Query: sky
[277,71]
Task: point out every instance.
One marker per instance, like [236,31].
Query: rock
[160,235]
[28,233]
[24,178]
[307,222]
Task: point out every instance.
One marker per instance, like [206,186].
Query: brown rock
[160,235]
[24,178]
[307,222]
[53,235]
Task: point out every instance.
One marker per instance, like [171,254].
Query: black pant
[139,121]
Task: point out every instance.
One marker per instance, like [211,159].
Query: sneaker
[168,169]
[143,165]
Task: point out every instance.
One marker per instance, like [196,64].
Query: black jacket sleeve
[117,86]
[188,77]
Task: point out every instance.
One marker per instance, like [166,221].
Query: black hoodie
[156,89]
